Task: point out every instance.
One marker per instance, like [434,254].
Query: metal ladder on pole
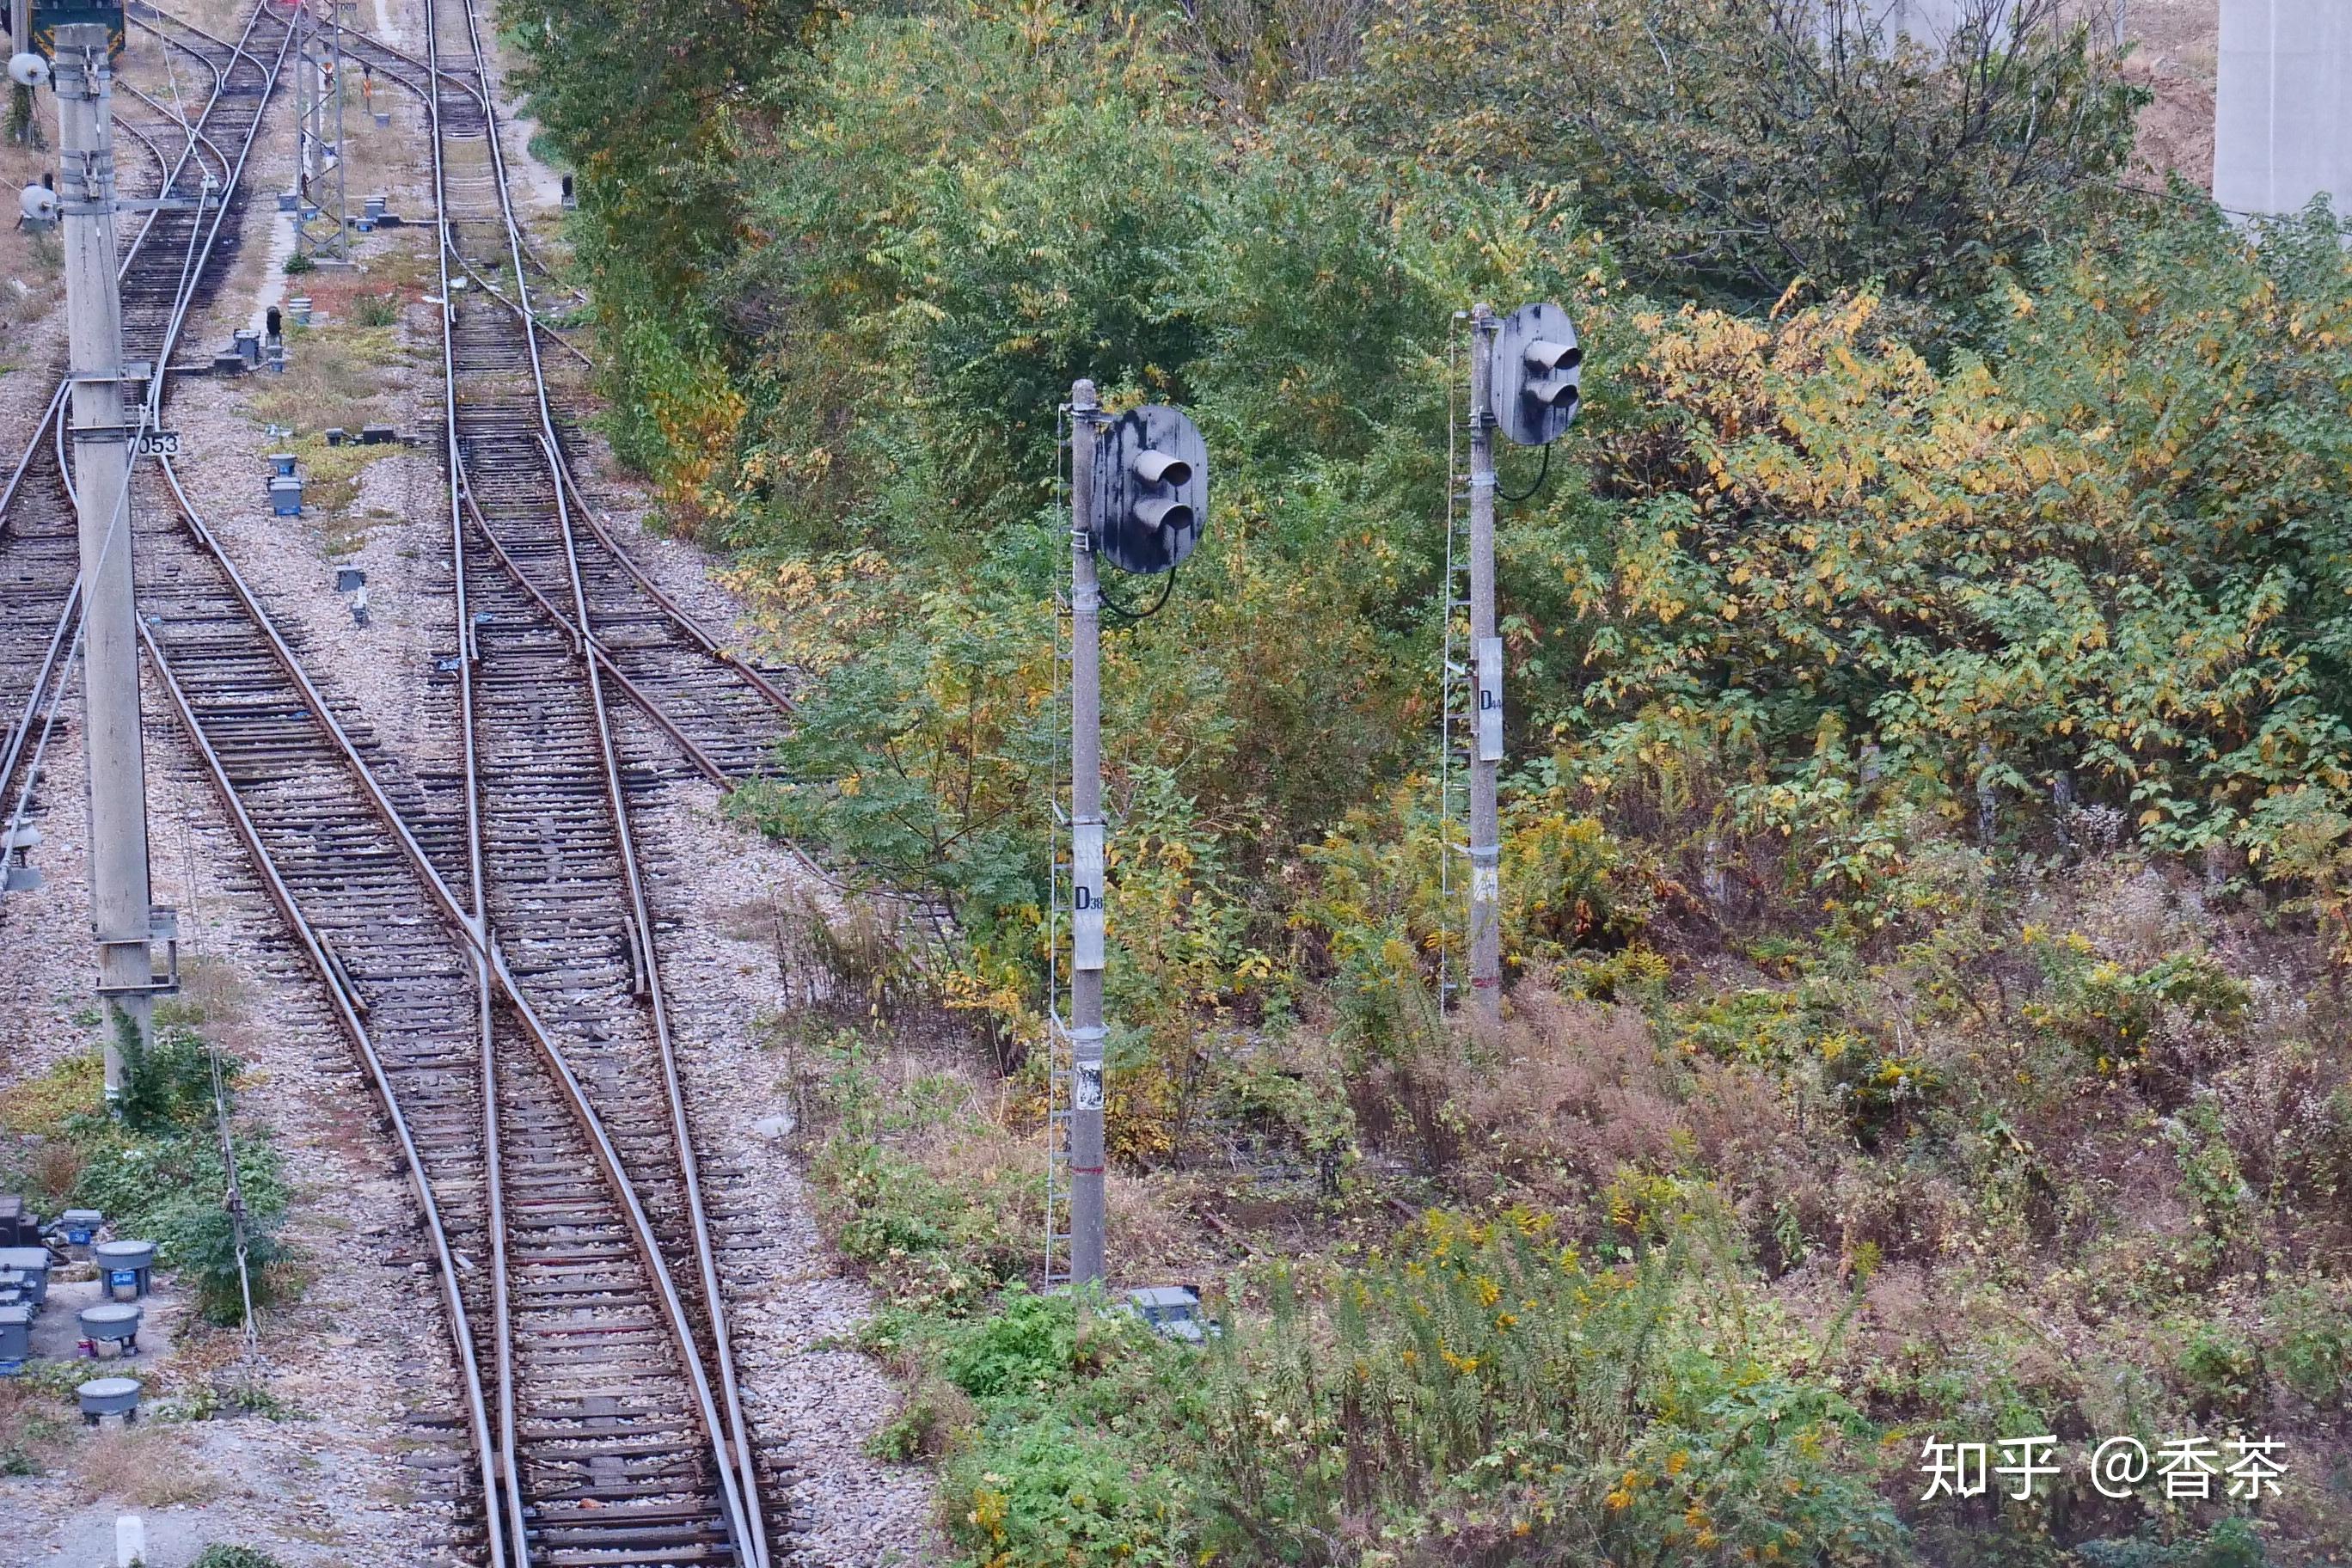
[1457,690]
[1058,1072]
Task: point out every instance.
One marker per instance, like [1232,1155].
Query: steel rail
[594,647]
[737,1474]
[679,615]
[348,1006]
[479,940]
[349,1009]
[33,773]
[163,171]
[232,176]
[476,937]
[169,173]
[509,1444]
[747,1499]
[190,264]
[41,697]
[52,667]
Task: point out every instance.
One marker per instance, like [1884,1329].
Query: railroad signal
[1538,376]
[1525,376]
[1139,499]
[1150,489]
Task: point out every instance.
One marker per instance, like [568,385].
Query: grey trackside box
[109,1396]
[35,1262]
[123,1267]
[115,1321]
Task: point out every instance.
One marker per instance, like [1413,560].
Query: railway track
[495,962]
[554,862]
[497,965]
[164,277]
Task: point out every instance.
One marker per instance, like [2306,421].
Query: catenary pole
[101,462]
[1486,752]
[1086,1030]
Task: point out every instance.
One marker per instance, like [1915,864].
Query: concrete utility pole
[20,41]
[1086,1031]
[1486,750]
[2282,128]
[102,467]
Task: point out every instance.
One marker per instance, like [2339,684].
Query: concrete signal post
[83,80]
[1486,647]
[1139,499]
[1086,859]
[1526,372]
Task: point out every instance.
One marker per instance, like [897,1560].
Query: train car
[48,15]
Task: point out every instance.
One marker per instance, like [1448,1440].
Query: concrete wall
[1931,22]
[2282,128]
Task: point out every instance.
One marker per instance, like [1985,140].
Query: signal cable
[1126,614]
[1542,474]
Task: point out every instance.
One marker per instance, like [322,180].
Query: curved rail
[47,683]
[495,1443]
[736,1471]
[349,1009]
[688,626]
[744,1482]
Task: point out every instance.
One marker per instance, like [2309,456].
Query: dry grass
[1149,1231]
[38,1106]
[37,1420]
[211,992]
[333,376]
[150,1466]
[32,266]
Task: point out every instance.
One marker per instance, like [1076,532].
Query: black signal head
[1538,370]
[1150,489]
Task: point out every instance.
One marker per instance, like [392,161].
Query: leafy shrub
[376,308]
[1036,1492]
[1482,1382]
[2220,1368]
[1785,140]
[156,1170]
[222,1556]
[2231,1544]
[925,1244]
[2313,1349]
[173,1189]
[170,1083]
[2111,1012]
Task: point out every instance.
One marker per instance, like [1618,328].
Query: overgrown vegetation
[157,1170]
[224,1556]
[1926,859]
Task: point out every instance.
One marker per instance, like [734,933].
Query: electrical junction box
[1174,1313]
